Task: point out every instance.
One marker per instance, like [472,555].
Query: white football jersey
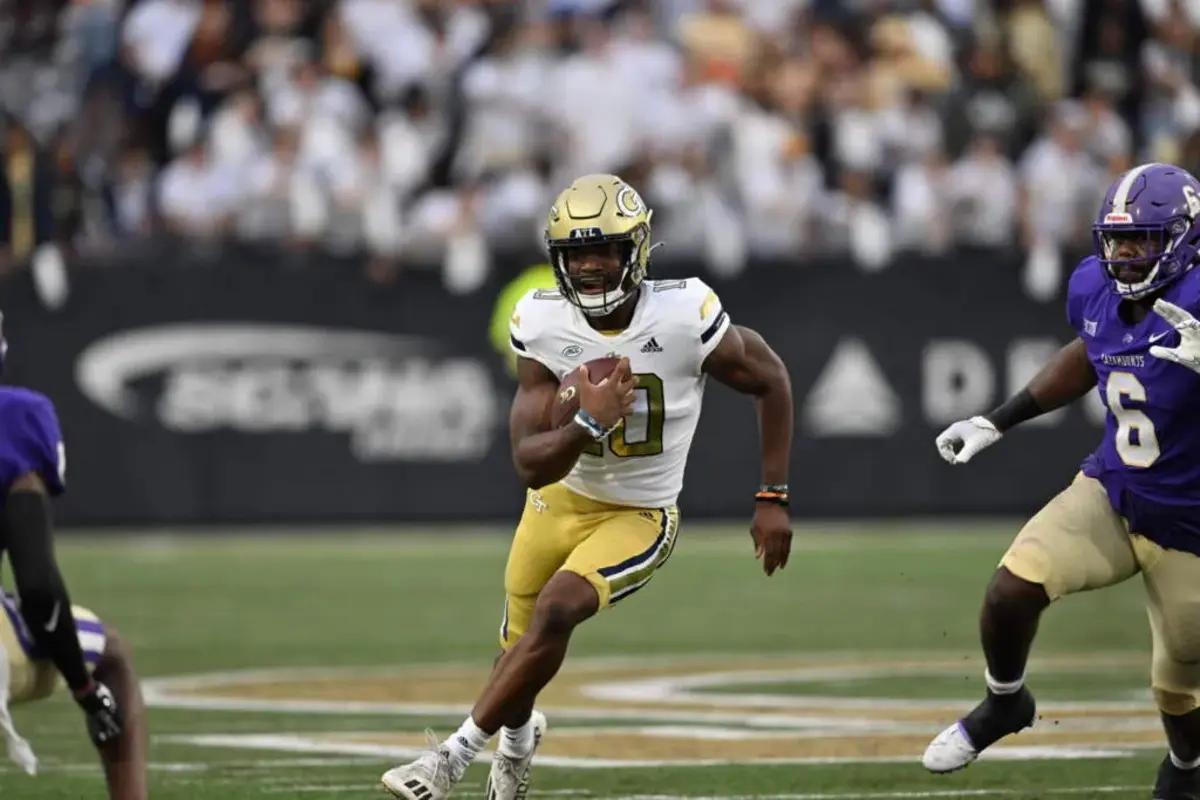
[676,324]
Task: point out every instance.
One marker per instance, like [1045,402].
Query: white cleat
[950,751]
[427,778]
[509,778]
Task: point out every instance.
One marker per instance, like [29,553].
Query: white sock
[1181,764]
[463,745]
[998,687]
[517,742]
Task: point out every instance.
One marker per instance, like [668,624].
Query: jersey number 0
[648,417]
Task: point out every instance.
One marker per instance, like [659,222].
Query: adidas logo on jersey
[651,346]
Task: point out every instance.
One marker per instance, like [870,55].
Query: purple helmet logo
[1147,233]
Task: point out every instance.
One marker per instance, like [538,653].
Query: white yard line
[293,743]
[364,788]
[900,795]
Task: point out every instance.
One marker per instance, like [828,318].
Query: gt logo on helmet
[629,202]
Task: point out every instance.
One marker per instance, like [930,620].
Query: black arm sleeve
[1018,408]
[45,605]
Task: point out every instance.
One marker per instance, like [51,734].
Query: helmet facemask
[1155,264]
[594,293]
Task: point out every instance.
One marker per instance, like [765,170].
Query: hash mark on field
[343,787]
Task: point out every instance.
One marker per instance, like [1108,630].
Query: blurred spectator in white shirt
[446,223]
[856,224]
[654,70]
[1108,139]
[858,135]
[594,106]
[328,112]
[920,205]
[266,212]
[364,208]
[195,197]
[911,129]
[1062,182]
[1171,108]
[695,114]
[409,138]
[312,92]
[513,206]
[236,135]
[779,182]
[412,42]
[157,34]
[694,219]
[982,190]
[502,91]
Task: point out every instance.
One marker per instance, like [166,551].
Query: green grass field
[823,682]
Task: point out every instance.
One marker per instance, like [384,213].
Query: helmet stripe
[1121,198]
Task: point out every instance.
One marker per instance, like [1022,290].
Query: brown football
[566,402]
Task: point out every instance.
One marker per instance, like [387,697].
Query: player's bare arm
[1068,376]
[124,757]
[543,455]
[744,362]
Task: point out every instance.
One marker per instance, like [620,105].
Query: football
[566,401]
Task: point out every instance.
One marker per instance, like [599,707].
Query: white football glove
[1187,354]
[959,443]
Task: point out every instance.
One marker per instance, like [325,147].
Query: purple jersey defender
[1149,460]
[30,440]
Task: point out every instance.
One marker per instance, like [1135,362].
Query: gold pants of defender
[34,679]
[1079,542]
[616,549]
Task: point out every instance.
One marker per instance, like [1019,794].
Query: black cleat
[993,719]
[998,716]
[1176,784]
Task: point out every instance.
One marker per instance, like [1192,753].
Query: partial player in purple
[1134,507]
[44,639]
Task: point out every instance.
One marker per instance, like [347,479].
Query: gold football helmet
[598,209]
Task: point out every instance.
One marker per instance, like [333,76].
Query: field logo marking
[697,710]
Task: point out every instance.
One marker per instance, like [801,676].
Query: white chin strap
[1136,291]
[597,305]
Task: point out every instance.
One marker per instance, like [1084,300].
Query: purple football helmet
[1158,204]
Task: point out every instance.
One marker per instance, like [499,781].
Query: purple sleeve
[34,442]
[1087,278]
[1073,310]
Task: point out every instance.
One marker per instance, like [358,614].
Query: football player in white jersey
[600,514]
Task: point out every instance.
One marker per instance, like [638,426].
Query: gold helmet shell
[598,209]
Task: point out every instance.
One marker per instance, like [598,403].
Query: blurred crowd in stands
[438,131]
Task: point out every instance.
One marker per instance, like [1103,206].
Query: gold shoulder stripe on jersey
[710,302]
